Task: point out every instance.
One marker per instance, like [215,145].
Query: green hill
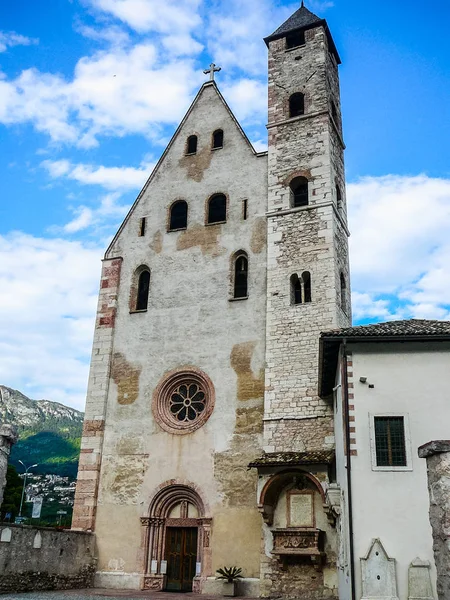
[49,433]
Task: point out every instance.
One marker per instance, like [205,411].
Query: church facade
[206,443]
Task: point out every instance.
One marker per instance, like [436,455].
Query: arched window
[241,276]
[299,192]
[191,147]
[343,292]
[306,281]
[297,105]
[218,139]
[178,215]
[143,289]
[301,288]
[296,289]
[217,209]
[338,196]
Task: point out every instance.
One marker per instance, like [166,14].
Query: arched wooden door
[181,557]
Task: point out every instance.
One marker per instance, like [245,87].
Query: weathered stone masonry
[94,423]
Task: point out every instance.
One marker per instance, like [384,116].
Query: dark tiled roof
[413,327]
[280,459]
[404,331]
[301,19]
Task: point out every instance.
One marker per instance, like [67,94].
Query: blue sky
[92,90]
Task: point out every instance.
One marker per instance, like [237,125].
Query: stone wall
[8,437]
[437,454]
[85,507]
[311,238]
[38,558]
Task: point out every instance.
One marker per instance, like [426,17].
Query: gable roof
[413,330]
[207,84]
[302,20]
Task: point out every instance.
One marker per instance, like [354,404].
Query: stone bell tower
[308,291]
[308,284]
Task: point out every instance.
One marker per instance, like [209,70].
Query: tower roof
[303,19]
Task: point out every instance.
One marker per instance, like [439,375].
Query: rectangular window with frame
[390,443]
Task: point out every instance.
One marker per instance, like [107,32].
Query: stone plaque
[300,510]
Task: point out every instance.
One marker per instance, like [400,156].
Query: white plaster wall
[190,321]
[412,380]
[342,523]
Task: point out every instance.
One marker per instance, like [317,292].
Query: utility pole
[24,483]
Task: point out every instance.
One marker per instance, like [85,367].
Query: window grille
[390,441]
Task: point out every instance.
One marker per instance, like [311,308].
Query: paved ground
[105,595]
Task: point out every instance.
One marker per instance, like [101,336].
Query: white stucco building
[390,385]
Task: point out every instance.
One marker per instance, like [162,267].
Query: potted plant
[230,575]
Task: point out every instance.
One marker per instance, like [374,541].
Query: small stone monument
[379,574]
[437,454]
[6,535]
[8,437]
[419,580]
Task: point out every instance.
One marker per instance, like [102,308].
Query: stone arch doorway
[176,539]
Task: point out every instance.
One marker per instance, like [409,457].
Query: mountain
[49,433]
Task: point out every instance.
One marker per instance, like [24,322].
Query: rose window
[183,401]
[187,402]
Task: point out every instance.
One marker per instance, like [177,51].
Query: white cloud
[81,221]
[247,99]
[110,178]
[117,92]
[87,217]
[153,15]
[113,35]
[400,247]
[260,145]
[48,296]
[8,39]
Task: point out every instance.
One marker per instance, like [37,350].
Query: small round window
[183,401]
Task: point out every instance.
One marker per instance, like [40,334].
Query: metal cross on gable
[211,71]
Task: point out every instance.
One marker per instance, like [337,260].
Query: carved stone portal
[379,574]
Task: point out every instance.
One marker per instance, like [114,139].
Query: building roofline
[331,342]
[169,146]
